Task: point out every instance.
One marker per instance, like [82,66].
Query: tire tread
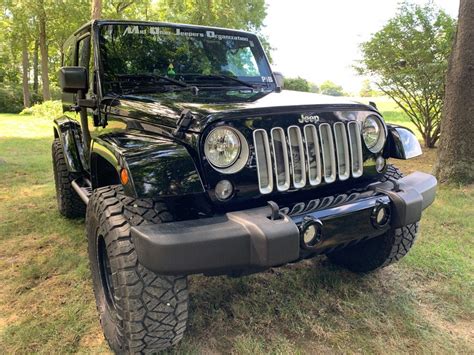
[381,251]
[141,295]
[70,204]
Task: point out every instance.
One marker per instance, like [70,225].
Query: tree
[366,89]
[130,9]
[96,9]
[25,63]
[35,67]
[314,88]
[43,50]
[330,88]
[19,31]
[407,59]
[297,84]
[245,15]
[456,148]
[240,14]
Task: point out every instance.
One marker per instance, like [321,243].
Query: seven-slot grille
[309,155]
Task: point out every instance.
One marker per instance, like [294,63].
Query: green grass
[421,305]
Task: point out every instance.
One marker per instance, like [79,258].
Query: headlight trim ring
[379,143]
[241,158]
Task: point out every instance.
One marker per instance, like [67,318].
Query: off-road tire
[381,251]
[70,204]
[140,311]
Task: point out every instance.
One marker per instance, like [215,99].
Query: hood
[207,107]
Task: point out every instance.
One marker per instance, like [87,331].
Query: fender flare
[69,133]
[157,166]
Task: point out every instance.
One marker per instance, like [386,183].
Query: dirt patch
[424,163]
[460,329]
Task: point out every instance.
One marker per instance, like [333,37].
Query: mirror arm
[87,103]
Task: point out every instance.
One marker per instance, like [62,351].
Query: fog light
[224,190]
[310,232]
[380,164]
[380,215]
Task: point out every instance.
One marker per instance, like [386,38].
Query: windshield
[206,58]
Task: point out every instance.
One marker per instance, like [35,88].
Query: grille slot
[355,142]
[326,153]
[298,167]
[342,151]
[280,158]
[314,154]
[329,156]
[264,163]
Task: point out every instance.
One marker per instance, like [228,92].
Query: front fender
[157,166]
[402,143]
[69,134]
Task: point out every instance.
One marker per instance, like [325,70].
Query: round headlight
[222,147]
[373,133]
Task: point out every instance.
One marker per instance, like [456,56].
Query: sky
[319,39]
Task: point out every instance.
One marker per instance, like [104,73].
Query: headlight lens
[373,133]
[222,147]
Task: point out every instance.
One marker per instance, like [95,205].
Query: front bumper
[251,240]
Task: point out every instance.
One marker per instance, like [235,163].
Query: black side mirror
[280,79]
[73,79]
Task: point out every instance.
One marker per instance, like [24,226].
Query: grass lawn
[423,304]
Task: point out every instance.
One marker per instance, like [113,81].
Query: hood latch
[184,122]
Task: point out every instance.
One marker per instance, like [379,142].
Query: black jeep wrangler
[181,149]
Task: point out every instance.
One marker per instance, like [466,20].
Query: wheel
[140,311]
[70,204]
[381,251]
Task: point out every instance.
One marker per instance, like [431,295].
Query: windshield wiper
[226,77]
[156,80]
[147,77]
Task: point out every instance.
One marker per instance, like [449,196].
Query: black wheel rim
[105,272]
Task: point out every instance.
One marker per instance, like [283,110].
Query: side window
[68,55]
[84,52]
[84,57]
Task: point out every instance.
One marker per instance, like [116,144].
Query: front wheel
[381,251]
[140,311]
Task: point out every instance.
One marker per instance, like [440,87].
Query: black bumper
[250,239]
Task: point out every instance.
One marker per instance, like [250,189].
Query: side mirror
[73,79]
[280,80]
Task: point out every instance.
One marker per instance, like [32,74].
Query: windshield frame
[97,25]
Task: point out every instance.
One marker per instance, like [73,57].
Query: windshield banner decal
[167,31]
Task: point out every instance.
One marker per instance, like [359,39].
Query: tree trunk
[35,68]
[44,51]
[25,68]
[96,12]
[456,148]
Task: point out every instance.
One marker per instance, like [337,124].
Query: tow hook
[275,215]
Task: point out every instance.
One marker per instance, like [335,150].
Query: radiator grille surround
[308,155]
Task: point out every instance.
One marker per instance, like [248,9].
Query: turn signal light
[124,176]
